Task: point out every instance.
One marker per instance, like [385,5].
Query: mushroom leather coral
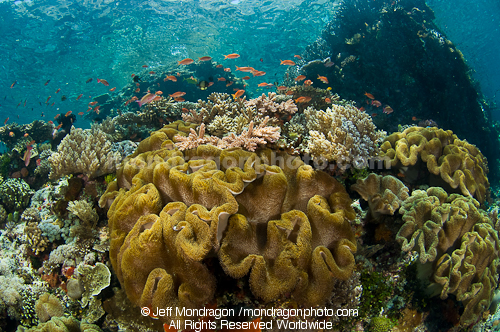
[452,232]
[169,210]
[459,164]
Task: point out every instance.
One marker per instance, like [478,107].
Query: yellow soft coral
[450,161]
[264,214]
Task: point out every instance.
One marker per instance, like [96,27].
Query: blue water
[68,42]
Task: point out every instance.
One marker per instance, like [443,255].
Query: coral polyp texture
[451,162]
[266,215]
[458,237]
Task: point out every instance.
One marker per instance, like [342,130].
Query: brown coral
[168,213]
[453,232]
[455,163]
[384,194]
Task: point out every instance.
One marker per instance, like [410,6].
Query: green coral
[376,292]
[15,194]
[381,324]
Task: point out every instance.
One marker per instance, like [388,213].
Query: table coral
[84,151]
[451,231]
[456,164]
[169,210]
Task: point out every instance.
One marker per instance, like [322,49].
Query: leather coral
[265,214]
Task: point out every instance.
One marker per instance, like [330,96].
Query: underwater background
[245,154]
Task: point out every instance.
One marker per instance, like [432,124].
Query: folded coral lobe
[266,216]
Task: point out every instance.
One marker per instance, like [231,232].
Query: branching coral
[285,226]
[457,164]
[84,151]
[341,133]
[453,232]
[249,139]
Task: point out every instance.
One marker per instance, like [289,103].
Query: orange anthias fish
[146,99]
[281,88]
[57,91]
[264,84]
[231,56]
[323,79]
[258,73]
[303,99]
[205,58]
[79,96]
[308,82]
[297,56]
[245,69]
[186,61]
[68,113]
[219,66]
[5,122]
[287,62]
[229,83]
[171,78]
[112,89]
[245,78]
[177,94]
[27,155]
[221,79]
[369,95]
[227,70]
[99,80]
[15,82]
[152,73]
[376,103]
[238,94]
[179,99]
[159,92]
[300,78]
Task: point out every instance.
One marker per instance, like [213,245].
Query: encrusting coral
[342,134]
[84,151]
[451,231]
[452,162]
[286,226]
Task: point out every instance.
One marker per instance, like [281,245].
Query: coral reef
[48,306]
[174,212]
[342,134]
[453,232]
[15,194]
[384,194]
[451,163]
[62,324]
[249,139]
[84,151]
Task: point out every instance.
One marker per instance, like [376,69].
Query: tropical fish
[93,103]
[281,88]
[289,92]
[328,100]
[57,91]
[112,89]
[47,82]
[186,61]
[265,84]
[202,85]
[146,99]
[376,103]
[38,161]
[47,101]
[297,56]
[81,113]
[27,155]
[89,80]
[179,99]
[137,90]
[238,94]
[177,94]
[287,62]
[231,56]
[300,78]
[229,83]
[5,122]
[171,78]
[388,109]
[369,95]
[227,70]
[152,73]
[99,80]
[144,66]
[323,79]
[245,69]
[68,113]
[221,79]
[303,99]
[328,63]
[258,73]
[11,134]
[219,66]
[205,58]
[158,93]
[15,82]
[245,78]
